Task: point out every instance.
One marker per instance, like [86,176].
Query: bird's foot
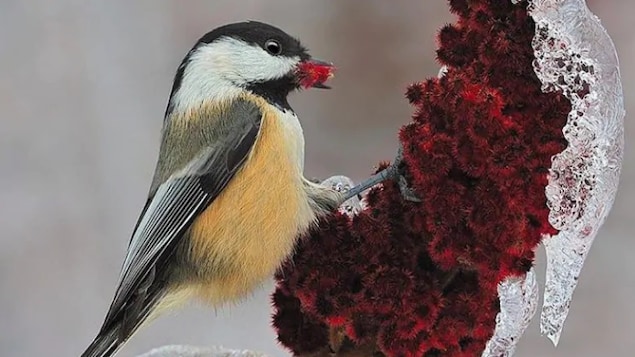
[342,184]
[407,192]
[392,172]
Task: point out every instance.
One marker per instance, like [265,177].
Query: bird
[228,198]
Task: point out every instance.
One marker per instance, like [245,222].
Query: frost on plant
[192,351]
[342,184]
[575,55]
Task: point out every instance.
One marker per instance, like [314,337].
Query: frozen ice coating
[342,183]
[442,71]
[575,55]
[518,303]
[192,351]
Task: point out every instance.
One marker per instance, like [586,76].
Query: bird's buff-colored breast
[251,227]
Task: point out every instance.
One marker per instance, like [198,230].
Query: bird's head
[251,56]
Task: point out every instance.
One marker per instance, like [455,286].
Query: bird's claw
[407,193]
[392,172]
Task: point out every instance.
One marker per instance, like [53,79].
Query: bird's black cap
[258,33]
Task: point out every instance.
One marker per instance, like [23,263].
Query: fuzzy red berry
[420,279]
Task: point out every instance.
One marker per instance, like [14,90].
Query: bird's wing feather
[172,209]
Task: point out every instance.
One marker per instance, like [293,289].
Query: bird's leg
[392,172]
[383,175]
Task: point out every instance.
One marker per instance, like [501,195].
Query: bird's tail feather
[106,344]
[116,331]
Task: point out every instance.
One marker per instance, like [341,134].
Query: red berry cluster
[420,279]
[311,73]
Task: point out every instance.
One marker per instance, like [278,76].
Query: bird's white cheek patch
[219,71]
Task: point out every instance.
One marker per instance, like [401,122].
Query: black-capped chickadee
[228,199]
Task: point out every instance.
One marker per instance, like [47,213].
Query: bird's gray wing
[170,212]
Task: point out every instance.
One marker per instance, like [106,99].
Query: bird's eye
[273,47]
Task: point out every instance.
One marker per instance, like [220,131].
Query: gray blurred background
[83,86]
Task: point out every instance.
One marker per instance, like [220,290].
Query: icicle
[518,303]
[576,56]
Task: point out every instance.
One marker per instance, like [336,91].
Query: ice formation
[574,55]
[342,184]
[192,351]
[518,303]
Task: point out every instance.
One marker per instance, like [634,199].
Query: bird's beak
[313,73]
